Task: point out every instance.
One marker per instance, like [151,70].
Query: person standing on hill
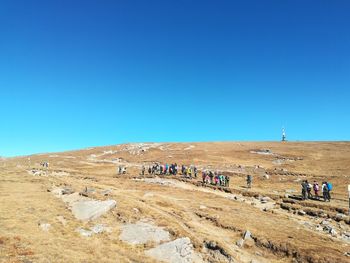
[330,187]
[204,175]
[316,189]
[309,187]
[304,191]
[325,192]
[227,181]
[249,181]
[211,175]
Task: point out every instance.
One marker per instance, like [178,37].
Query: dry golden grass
[279,235]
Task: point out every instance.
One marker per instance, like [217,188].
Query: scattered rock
[67,191]
[240,242]
[143,232]
[202,207]
[333,232]
[99,228]
[177,251]
[266,176]
[91,209]
[247,235]
[84,232]
[44,226]
[301,212]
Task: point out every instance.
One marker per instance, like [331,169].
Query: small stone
[67,191]
[247,235]
[84,232]
[301,212]
[202,207]
[324,222]
[106,192]
[333,232]
[45,226]
[240,243]
[319,228]
[99,228]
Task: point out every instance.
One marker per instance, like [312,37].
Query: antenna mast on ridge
[283,134]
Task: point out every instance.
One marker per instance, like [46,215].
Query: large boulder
[86,210]
[143,232]
[177,251]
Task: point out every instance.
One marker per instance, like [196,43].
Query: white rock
[143,232]
[99,228]
[177,251]
[91,209]
[247,235]
[45,226]
[240,242]
[84,232]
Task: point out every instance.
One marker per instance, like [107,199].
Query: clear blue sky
[75,74]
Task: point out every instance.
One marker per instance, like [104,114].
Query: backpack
[329,186]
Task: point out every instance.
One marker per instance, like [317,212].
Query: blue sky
[75,74]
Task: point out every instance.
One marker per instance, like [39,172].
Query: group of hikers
[306,190]
[189,172]
[215,178]
[160,169]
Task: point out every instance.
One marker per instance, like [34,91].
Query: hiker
[216,178]
[316,189]
[304,191]
[330,187]
[227,181]
[308,188]
[119,169]
[189,172]
[222,180]
[175,169]
[249,181]
[207,179]
[325,192]
[183,169]
[211,175]
[143,170]
[204,175]
[149,170]
[195,172]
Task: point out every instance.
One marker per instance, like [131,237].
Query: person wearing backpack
[330,187]
[325,192]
